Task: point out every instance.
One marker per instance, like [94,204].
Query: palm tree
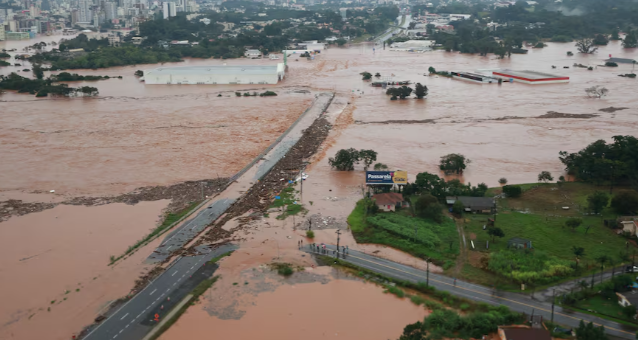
[602,259]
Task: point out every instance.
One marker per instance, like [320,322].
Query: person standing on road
[347,250]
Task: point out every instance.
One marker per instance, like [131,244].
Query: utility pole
[202,190]
[338,233]
[592,280]
[301,191]
[427,273]
[553,301]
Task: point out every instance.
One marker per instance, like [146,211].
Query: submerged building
[211,75]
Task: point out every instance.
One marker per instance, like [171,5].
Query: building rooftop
[535,75]
[621,60]
[477,203]
[198,70]
[390,198]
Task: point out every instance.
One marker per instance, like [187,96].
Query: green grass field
[538,215]
[603,306]
[442,253]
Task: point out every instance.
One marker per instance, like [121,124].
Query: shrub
[267,94]
[502,181]
[237,94]
[512,190]
[417,300]
[625,202]
[394,290]
[464,307]
[310,234]
[611,64]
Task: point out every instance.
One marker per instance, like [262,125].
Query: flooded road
[54,271]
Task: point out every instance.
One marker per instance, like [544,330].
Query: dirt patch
[472,236]
[475,259]
[554,114]
[181,195]
[612,109]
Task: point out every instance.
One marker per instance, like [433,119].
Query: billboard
[386,177]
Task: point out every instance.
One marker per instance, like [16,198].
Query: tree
[597,201]
[596,91]
[458,208]
[614,35]
[602,259]
[431,70]
[366,75]
[345,159]
[545,176]
[37,71]
[601,39]
[502,181]
[427,206]
[341,41]
[630,41]
[586,45]
[380,166]
[420,91]
[512,190]
[378,75]
[573,222]
[495,232]
[139,73]
[590,332]
[368,157]
[625,202]
[579,252]
[454,162]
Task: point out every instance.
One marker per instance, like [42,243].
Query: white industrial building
[247,74]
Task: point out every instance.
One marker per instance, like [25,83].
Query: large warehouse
[248,74]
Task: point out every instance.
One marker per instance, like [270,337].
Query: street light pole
[338,233]
[553,301]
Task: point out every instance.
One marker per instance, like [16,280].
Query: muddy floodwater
[134,135]
[336,309]
[54,273]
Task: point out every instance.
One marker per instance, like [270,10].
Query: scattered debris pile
[318,222]
[612,109]
[181,195]
[554,114]
[259,196]
[19,208]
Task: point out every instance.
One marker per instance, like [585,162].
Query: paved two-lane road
[135,318]
[516,302]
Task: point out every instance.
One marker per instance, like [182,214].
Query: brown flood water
[340,308]
[136,135]
[67,248]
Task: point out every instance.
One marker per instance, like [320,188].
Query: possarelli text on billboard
[386,177]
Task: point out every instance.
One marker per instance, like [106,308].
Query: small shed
[390,201]
[519,243]
[474,204]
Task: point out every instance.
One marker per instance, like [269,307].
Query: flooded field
[54,268]
[298,308]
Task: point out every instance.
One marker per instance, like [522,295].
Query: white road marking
[115,336]
[153,292]
[169,248]
[125,315]
[192,267]
[174,283]
[121,330]
[174,273]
